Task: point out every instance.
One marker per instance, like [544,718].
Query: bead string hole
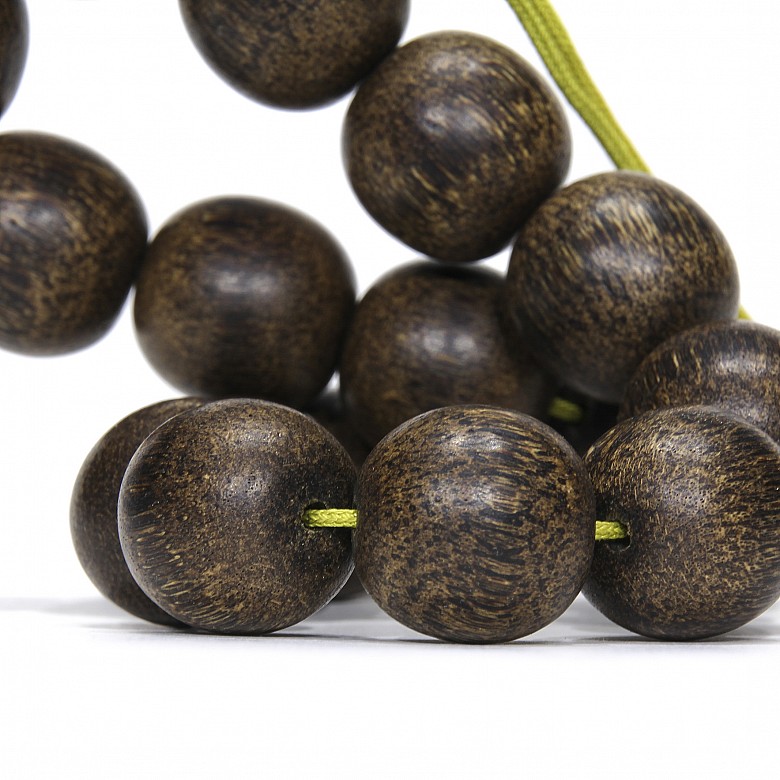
[614,534]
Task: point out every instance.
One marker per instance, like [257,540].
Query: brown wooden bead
[475,524]
[429,335]
[607,269]
[244,297]
[452,142]
[734,365]
[211,516]
[93,508]
[699,491]
[296,54]
[72,236]
[14,39]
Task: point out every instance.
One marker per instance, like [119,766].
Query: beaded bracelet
[472,520]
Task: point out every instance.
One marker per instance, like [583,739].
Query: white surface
[89,692]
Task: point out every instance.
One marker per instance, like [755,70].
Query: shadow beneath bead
[359,619]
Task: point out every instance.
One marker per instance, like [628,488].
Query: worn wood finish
[452,142]
[93,508]
[72,236]
[296,54]
[475,524]
[211,516]
[699,491]
[610,267]
[244,297]
[14,40]
[732,365]
[428,335]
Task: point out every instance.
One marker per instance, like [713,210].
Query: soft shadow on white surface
[358,619]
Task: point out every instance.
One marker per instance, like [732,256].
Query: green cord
[552,41]
[348,518]
[555,47]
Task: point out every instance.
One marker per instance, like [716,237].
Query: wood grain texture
[93,508]
[72,236]
[211,516]
[452,142]
[14,41]
[428,335]
[475,524]
[244,297]
[610,267]
[294,53]
[732,365]
[699,491]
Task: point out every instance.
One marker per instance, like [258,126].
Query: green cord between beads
[347,518]
[555,47]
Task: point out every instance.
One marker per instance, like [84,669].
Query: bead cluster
[475,519]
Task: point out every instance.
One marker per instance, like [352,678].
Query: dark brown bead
[244,297]
[296,53]
[72,236]
[429,335]
[452,142]
[14,39]
[211,516]
[93,508]
[734,365]
[699,491]
[475,524]
[607,269]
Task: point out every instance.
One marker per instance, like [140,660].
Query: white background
[86,691]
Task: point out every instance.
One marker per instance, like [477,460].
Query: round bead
[699,492]
[211,516]
[475,524]
[93,508]
[294,54]
[14,39]
[452,142]
[608,268]
[731,365]
[429,335]
[72,236]
[244,297]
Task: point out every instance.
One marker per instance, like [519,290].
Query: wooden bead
[93,508]
[14,39]
[607,269]
[734,365]
[294,54]
[211,516]
[428,335]
[72,236]
[699,491]
[475,524]
[451,144]
[244,297]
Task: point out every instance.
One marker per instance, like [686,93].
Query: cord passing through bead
[606,530]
